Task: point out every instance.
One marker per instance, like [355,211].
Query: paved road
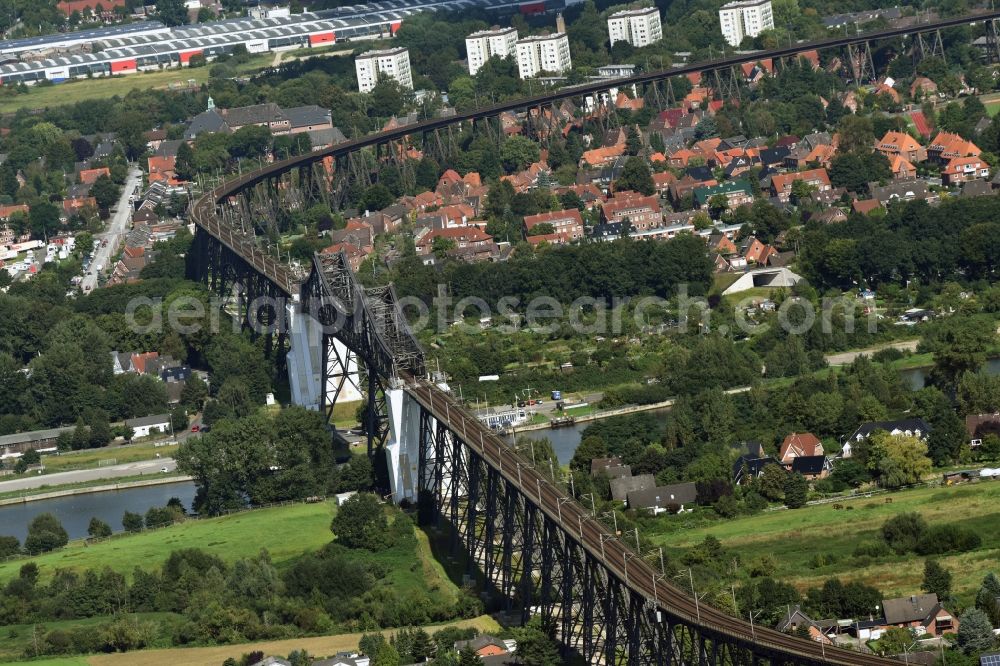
[115,232]
[151,467]
[846,358]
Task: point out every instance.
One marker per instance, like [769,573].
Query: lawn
[70,92]
[90,458]
[794,537]
[15,638]
[285,531]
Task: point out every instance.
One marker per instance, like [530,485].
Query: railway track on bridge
[209,214]
[624,562]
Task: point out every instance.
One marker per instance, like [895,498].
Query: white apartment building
[638,27]
[745,18]
[543,53]
[483,45]
[373,66]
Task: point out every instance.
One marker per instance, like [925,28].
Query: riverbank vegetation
[218,581]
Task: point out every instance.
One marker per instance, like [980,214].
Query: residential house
[162,169]
[736,193]
[977,188]
[979,426]
[89,176]
[687,185]
[902,190]
[916,427]
[962,169]
[460,237]
[310,118]
[795,619]
[642,212]
[920,613]
[751,464]
[811,467]
[756,252]
[564,222]
[901,144]
[623,485]
[485,645]
[671,498]
[344,659]
[662,182]
[781,183]
[799,444]
[149,425]
[355,255]
[924,86]
[611,467]
[865,206]
[902,168]
[947,146]
[722,244]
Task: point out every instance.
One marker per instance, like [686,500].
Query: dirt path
[846,358]
[317,645]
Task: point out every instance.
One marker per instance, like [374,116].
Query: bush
[132,522]
[98,529]
[361,523]
[872,549]
[947,539]
[904,531]
[158,516]
[9,546]
[45,533]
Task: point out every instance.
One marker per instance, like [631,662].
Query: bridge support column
[403,447]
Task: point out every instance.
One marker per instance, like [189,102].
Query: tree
[937,580]
[856,134]
[796,490]
[385,655]
[171,12]
[45,533]
[589,449]
[361,523]
[903,531]
[387,98]
[517,152]
[899,460]
[132,522]
[31,457]
[975,633]
[105,192]
[9,546]
[633,142]
[377,197]
[960,346]
[535,648]
[98,529]
[771,483]
[895,641]
[44,219]
[194,393]
[636,176]
[468,657]
[987,598]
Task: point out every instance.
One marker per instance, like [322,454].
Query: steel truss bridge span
[537,548]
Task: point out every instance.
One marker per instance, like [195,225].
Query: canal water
[75,511]
[916,378]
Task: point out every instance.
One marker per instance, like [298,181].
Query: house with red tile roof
[754,251]
[641,211]
[663,180]
[903,145]
[946,146]
[799,444]
[566,222]
[902,168]
[623,101]
[88,176]
[139,360]
[463,237]
[6,210]
[162,169]
[550,239]
[924,86]
[71,206]
[865,206]
[355,255]
[781,183]
[962,169]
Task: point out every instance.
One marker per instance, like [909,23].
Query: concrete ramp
[763,277]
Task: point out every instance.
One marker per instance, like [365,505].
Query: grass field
[794,537]
[286,532]
[56,661]
[90,458]
[70,92]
